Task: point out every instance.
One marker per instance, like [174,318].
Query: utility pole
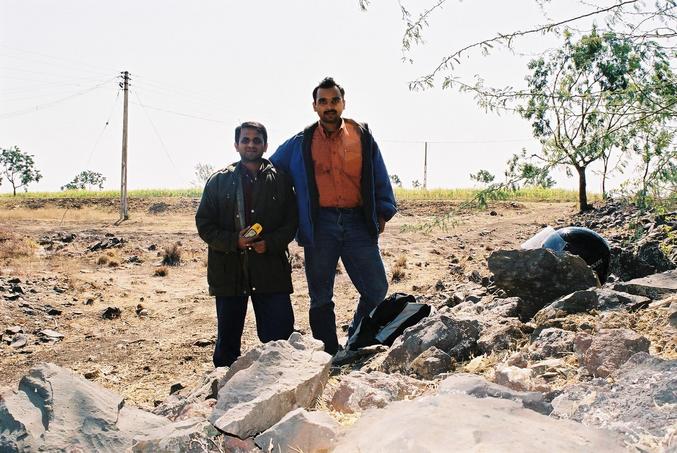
[124,211]
[425,166]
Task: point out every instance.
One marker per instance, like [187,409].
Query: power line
[458,142]
[154,129]
[52,103]
[98,139]
[188,115]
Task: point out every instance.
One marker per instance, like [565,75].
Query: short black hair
[258,127]
[328,82]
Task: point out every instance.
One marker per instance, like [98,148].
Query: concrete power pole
[124,208]
[425,165]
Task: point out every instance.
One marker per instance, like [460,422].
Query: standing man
[247,192]
[344,200]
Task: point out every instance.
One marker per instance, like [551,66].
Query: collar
[341,130]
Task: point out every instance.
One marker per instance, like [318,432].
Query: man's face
[329,105]
[250,146]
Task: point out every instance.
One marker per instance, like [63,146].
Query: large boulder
[457,422]
[639,402]
[285,375]
[456,337]
[654,286]
[301,431]
[540,276]
[608,349]
[187,436]
[358,391]
[55,409]
[197,401]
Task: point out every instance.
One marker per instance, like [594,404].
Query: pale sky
[200,68]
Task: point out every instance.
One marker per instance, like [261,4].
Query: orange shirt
[337,160]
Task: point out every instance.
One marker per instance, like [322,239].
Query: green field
[529,194]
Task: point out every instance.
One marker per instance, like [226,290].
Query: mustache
[330,111]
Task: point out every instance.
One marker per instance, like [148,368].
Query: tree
[396,180]
[86,179]
[18,168]
[482,177]
[587,96]
[416,184]
[202,174]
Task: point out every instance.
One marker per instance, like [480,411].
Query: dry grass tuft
[401,261]
[161,271]
[102,260]
[398,273]
[172,255]
[113,262]
[14,246]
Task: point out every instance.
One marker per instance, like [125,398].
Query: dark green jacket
[237,272]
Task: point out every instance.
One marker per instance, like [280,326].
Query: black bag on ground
[387,321]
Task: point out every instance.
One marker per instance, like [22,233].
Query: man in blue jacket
[344,199]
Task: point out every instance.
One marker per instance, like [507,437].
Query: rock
[203,342]
[586,300]
[346,356]
[654,286]
[176,387]
[111,313]
[498,337]
[19,341]
[540,276]
[455,422]
[552,342]
[358,391]
[609,349]
[14,330]
[286,375]
[55,409]
[513,377]
[189,436]
[432,362]
[456,337]
[477,386]
[233,444]
[50,335]
[518,359]
[197,401]
[511,307]
[639,401]
[300,430]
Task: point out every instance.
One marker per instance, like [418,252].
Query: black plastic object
[387,321]
[585,243]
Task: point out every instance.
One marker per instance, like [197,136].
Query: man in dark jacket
[245,193]
[344,198]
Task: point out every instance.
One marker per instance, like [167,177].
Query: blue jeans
[274,321]
[342,233]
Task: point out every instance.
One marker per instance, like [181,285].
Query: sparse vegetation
[398,272]
[102,260]
[14,246]
[172,255]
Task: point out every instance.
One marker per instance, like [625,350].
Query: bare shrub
[102,260]
[161,271]
[113,262]
[401,261]
[398,273]
[14,246]
[172,255]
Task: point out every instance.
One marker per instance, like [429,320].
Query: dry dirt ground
[165,331]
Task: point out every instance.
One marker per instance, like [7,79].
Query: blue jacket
[294,157]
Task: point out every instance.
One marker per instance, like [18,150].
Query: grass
[528,194]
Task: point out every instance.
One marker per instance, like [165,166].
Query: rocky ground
[525,339]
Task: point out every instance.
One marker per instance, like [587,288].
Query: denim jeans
[342,233]
[274,321]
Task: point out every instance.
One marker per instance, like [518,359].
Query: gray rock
[180,406]
[457,422]
[477,386]
[511,307]
[540,276]
[300,430]
[552,342]
[639,402]
[286,375]
[515,378]
[190,436]
[432,362]
[586,300]
[456,337]
[55,409]
[609,349]
[358,391]
[654,286]
[498,337]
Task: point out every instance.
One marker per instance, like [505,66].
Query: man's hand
[259,246]
[381,224]
[243,242]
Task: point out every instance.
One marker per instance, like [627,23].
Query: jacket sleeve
[281,158]
[386,206]
[278,240]
[207,222]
